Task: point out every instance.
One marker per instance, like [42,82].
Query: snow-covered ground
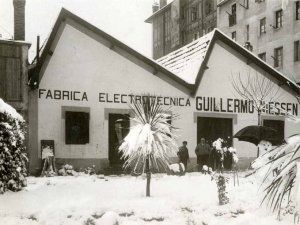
[88,200]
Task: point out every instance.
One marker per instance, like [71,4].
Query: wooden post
[148,173]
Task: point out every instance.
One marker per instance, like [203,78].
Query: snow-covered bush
[90,170]
[177,169]
[221,181]
[12,149]
[67,170]
[225,156]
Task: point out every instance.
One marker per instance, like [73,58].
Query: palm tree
[282,175]
[150,143]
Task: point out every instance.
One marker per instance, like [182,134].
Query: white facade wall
[82,62]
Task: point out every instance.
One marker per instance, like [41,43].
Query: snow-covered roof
[186,61]
[5,108]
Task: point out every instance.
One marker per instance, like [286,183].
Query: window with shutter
[2,77]
[77,127]
[13,79]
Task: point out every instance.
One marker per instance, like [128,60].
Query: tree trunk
[259,124]
[148,173]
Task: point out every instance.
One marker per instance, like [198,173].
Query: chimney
[19,19]
[162,3]
[155,7]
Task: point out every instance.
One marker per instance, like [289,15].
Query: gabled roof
[64,14]
[189,62]
[186,61]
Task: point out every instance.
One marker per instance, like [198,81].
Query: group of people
[205,155]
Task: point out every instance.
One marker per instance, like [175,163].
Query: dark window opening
[297,51]
[277,125]
[233,35]
[77,127]
[209,6]
[279,16]
[232,16]
[297,10]
[278,58]
[247,33]
[262,26]
[194,13]
[167,33]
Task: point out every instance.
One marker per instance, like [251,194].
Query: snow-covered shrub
[12,149]
[90,170]
[224,155]
[177,169]
[206,169]
[221,181]
[67,170]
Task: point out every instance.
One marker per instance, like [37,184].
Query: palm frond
[150,137]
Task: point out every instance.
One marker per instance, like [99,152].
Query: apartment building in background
[269,29]
[179,22]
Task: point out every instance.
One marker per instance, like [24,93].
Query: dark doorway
[118,128]
[213,128]
[277,125]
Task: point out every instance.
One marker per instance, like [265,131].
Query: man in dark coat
[202,151]
[183,155]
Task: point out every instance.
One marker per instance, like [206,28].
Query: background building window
[278,54]
[182,37]
[10,73]
[247,33]
[208,6]
[182,12]
[196,35]
[279,18]
[246,4]
[297,51]
[156,32]
[77,127]
[194,13]
[167,34]
[233,35]
[262,26]
[262,56]
[232,17]
[297,10]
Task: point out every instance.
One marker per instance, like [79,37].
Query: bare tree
[258,90]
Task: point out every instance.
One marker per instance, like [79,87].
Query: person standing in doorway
[202,151]
[183,155]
